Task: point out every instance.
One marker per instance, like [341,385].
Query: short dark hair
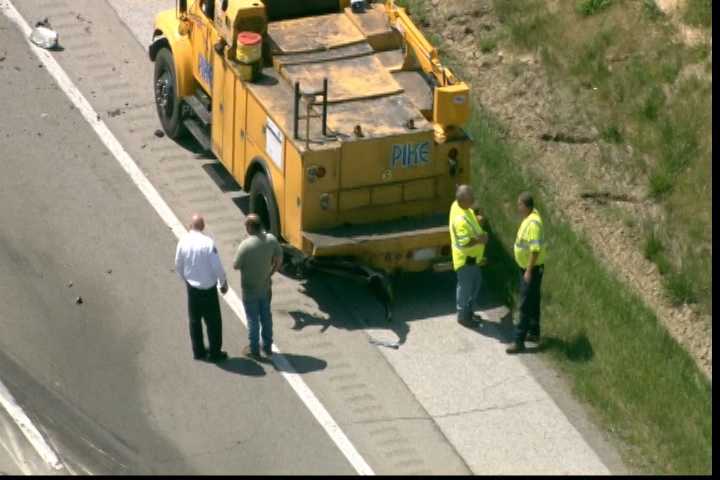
[526,199]
[253,223]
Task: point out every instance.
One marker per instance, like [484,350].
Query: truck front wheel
[166,99]
[262,203]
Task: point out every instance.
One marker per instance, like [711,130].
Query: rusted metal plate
[416,88]
[349,79]
[277,98]
[378,117]
[350,51]
[392,59]
[373,21]
[313,34]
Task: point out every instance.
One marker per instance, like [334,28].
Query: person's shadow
[284,362]
[292,363]
[242,366]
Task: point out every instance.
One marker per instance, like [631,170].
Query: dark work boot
[465,319]
[515,348]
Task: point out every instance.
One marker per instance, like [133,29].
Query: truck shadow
[349,305]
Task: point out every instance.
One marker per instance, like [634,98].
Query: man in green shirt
[258,257]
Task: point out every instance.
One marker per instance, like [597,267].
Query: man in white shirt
[198,264]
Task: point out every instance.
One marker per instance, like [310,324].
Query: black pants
[529,304]
[204,305]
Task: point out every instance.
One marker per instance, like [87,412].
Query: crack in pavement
[447,415]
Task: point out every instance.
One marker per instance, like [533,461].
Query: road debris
[115,113]
[44,36]
[79,301]
[109,271]
[69,284]
[159,133]
[604,197]
[382,343]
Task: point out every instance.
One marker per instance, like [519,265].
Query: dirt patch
[571,159]
[673,9]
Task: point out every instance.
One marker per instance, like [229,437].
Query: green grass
[698,13]
[679,287]
[487,45]
[591,7]
[651,9]
[527,22]
[643,101]
[623,363]
[643,386]
[612,134]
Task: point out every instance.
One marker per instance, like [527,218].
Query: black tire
[167,102]
[262,202]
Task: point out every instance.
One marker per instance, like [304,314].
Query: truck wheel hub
[163,93]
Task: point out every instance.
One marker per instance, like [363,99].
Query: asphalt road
[112,383]
[73,225]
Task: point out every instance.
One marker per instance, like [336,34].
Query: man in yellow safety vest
[530,257]
[468,241]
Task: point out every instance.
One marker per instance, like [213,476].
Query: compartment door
[218,107]
[227,107]
[240,130]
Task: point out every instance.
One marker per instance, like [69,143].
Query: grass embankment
[621,361]
[631,73]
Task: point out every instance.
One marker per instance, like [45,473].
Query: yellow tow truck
[336,116]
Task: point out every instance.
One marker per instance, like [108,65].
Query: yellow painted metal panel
[387,160]
[218,117]
[202,60]
[256,121]
[240,162]
[452,105]
[387,195]
[327,159]
[167,23]
[350,199]
[419,190]
[229,114]
[291,217]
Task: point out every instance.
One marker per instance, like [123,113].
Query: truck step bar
[199,110]
[200,133]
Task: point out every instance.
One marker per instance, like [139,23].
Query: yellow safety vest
[464,226]
[530,238]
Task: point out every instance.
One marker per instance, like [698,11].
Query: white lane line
[163,210]
[28,429]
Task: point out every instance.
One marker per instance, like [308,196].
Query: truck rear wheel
[166,98]
[262,203]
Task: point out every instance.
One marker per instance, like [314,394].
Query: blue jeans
[259,319]
[529,305]
[469,281]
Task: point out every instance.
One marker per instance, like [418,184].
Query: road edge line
[153,197]
[28,429]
